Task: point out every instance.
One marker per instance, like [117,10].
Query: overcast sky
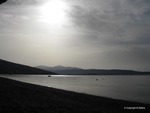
[104,34]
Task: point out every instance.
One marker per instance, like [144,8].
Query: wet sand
[18,97]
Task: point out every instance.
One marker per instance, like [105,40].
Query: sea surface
[126,87]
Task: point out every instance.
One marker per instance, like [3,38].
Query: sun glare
[53,12]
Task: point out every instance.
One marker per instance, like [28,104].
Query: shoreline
[19,97]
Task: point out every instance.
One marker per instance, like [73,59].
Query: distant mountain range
[78,71]
[7,67]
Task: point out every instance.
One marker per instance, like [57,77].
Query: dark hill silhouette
[7,67]
[78,71]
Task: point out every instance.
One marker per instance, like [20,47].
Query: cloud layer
[99,33]
[122,28]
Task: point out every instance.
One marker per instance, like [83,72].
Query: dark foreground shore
[18,97]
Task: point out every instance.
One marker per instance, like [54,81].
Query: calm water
[134,88]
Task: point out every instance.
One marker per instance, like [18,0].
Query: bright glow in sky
[53,12]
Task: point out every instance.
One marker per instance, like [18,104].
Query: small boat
[49,75]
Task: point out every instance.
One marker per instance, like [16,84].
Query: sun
[53,12]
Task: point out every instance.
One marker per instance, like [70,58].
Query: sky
[101,34]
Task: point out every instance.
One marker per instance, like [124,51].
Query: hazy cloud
[122,24]
[117,18]
[99,34]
